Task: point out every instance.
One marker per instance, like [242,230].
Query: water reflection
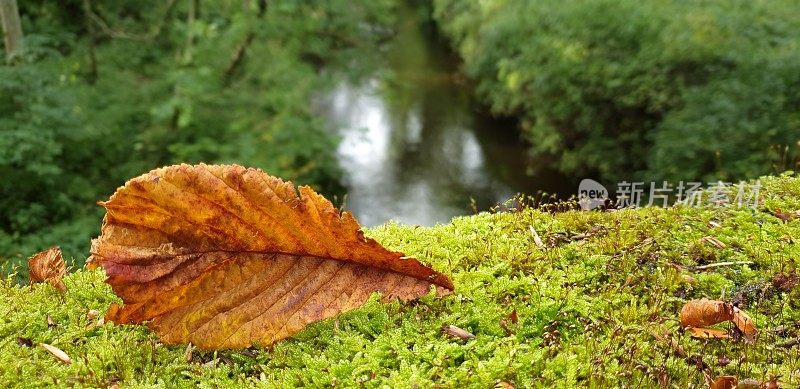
[413,147]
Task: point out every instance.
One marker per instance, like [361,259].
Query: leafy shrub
[654,90]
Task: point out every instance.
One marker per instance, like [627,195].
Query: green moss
[600,311]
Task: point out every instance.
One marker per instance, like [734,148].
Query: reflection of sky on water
[411,178]
[375,192]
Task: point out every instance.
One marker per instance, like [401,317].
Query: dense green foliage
[108,90]
[663,89]
[599,310]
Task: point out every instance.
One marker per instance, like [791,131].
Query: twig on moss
[721,264]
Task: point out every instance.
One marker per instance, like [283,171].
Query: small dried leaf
[50,322]
[705,312]
[536,238]
[226,257]
[745,324]
[187,354]
[708,333]
[786,216]
[48,266]
[724,382]
[93,313]
[57,352]
[457,332]
[697,314]
[26,342]
[504,385]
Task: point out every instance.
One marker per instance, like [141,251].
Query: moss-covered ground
[596,305]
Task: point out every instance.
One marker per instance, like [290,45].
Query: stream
[417,148]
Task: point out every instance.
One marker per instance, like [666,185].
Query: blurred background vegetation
[101,91]
[657,89]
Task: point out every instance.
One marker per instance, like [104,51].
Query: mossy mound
[596,305]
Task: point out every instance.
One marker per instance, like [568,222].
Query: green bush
[627,89]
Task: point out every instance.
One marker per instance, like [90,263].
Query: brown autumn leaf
[724,382]
[697,314]
[48,266]
[225,257]
[705,312]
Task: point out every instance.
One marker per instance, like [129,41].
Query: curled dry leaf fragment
[724,382]
[697,314]
[48,266]
[705,312]
[225,257]
[745,324]
[57,352]
[457,332]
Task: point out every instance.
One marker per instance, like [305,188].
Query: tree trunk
[194,10]
[12,29]
[90,27]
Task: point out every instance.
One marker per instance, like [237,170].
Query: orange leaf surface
[697,314]
[48,266]
[708,333]
[724,382]
[225,257]
[745,324]
[705,312]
